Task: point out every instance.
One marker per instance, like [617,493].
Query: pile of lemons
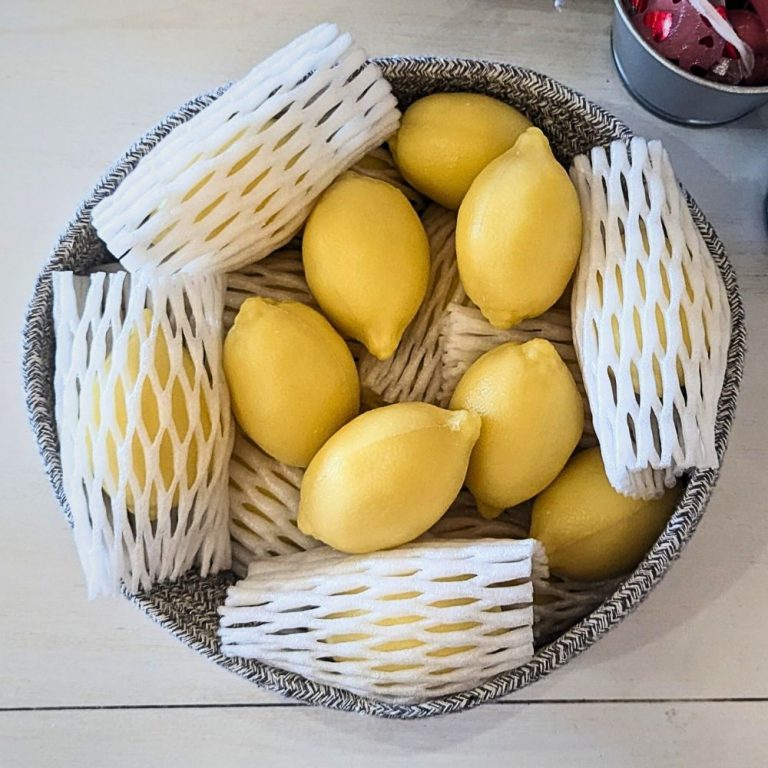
[380,479]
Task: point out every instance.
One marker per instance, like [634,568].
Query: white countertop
[684,681]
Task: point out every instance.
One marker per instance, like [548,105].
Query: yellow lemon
[590,531]
[366,260]
[387,476]
[446,139]
[119,403]
[291,378]
[532,417]
[518,234]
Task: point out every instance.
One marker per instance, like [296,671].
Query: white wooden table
[684,681]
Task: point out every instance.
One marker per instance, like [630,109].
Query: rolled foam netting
[403,625]
[236,181]
[264,506]
[144,424]
[651,321]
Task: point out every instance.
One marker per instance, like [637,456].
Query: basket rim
[37,383]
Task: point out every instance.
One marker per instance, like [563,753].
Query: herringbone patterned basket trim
[188,608]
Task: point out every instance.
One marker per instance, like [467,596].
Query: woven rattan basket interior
[188,608]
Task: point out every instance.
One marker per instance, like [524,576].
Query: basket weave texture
[188,608]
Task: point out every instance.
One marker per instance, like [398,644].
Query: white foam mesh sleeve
[264,506]
[144,423]
[237,181]
[414,372]
[651,321]
[403,625]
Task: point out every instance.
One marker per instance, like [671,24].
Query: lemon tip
[488,511]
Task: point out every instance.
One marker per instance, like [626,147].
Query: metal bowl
[670,92]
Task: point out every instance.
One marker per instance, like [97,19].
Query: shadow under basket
[188,608]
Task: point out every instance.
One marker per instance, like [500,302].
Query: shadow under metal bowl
[670,92]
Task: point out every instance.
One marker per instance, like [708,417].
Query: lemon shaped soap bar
[532,417]
[291,377]
[518,234]
[149,404]
[366,260]
[446,139]
[387,476]
[590,531]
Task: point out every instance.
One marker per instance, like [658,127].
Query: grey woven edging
[188,609]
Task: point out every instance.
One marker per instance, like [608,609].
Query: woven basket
[188,608]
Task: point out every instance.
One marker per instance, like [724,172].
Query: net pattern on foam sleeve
[144,424]
[651,321]
[264,506]
[403,625]
[237,180]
